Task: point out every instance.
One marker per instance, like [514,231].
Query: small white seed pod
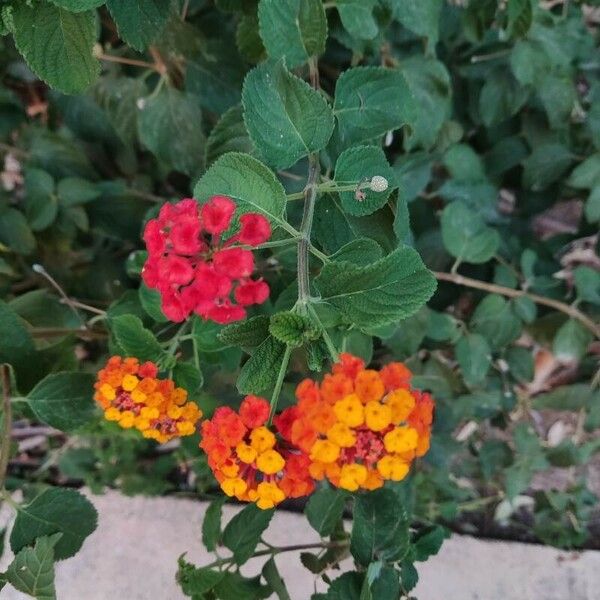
[379,183]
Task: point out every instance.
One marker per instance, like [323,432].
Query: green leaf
[494,319]
[285,117]
[558,95]
[150,300]
[248,181]
[135,339]
[188,376]
[520,16]
[15,232]
[388,290]
[428,542]
[274,579]
[587,284]
[568,397]
[57,44]
[248,334]
[139,22]
[228,135]
[243,532]
[169,125]
[361,251]
[259,373]
[292,329]
[571,341]
[413,173]
[55,510]
[520,362]
[32,569]
[195,582]
[380,529]
[547,163]
[234,586]
[64,400]
[40,202]
[324,509]
[17,347]
[501,97]
[357,18]
[466,236]
[361,163]
[474,357]
[420,17]
[370,101]
[292,29]
[592,206]
[249,42]
[586,175]
[75,190]
[211,525]
[207,335]
[78,5]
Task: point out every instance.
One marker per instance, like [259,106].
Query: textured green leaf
[413,173]
[587,283]
[494,319]
[274,579]
[135,339]
[228,135]
[586,175]
[188,376]
[140,22]
[547,163]
[324,509]
[370,101]
[151,303]
[388,290]
[380,528]
[207,335]
[169,125]
[292,329]
[32,569]
[421,17]
[474,357]
[466,236]
[41,204]
[78,5]
[75,190]
[64,400]
[520,17]
[249,333]
[56,510]
[592,206]
[249,42]
[361,163]
[428,542]
[259,373]
[285,117]
[292,29]
[501,97]
[243,532]
[194,581]
[571,341]
[17,347]
[211,525]
[361,251]
[252,184]
[357,18]
[57,44]
[15,231]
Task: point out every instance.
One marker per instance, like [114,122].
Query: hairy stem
[279,383]
[7,418]
[571,311]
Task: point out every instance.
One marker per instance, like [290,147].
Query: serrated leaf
[259,372]
[247,180]
[169,125]
[32,569]
[466,236]
[64,400]
[150,300]
[391,289]
[274,579]
[292,329]
[361,163]
[57,44]
[248,334]
[362,252]
[228,135]
[211,525]
[292,29]
[139,22]
[587,284]
[324,509]
[357,18]
[194,581]
[285,117]
[380,529]
[135,339]
[243,532]
[56,510]
[370,101]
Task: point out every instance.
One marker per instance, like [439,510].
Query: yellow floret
[262,439]
[342,435]
[270,462]
[377,416]
[127,419]
[246,453]
[350,410]
[112,414]
[268,495]
[401,403]
[392,467]
[352,476]
[401,439]
[138,396]
[324,451]
[234,486]
[129,383]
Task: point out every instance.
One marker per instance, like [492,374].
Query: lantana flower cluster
[132,395]
[359,427]
[248,459]
[195,269]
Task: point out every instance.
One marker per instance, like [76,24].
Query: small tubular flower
[194,269]
[379,424]
[249,460]
[132,395]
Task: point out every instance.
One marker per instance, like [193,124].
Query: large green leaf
[17,347]
[420,16]
[135,339]
[32,570]
[292,29]
[169,125]
[388,290]
[64,400]
[259,373]
[78,5]
[357,18]
[474,357]
[56,510]
[15,231]
[370,101]
[244,178]
[285,117]
[228,135]
[139,22]
[243,532]
[324,509]
[57,44]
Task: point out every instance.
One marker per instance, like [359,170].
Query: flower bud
[379,183]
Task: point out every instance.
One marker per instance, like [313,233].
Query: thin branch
[127,61]
[279,383]
[571,311]
[6,430]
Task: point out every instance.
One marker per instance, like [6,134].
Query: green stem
[330,187]
[6,430]
[279,383]
[177,338]
[326,338]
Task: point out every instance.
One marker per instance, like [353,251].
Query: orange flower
[361,427]
[131,395]
[249,461]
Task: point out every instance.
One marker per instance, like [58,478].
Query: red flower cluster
[194,269]
[249,461]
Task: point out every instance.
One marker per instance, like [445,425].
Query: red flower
[255,229]
[252,292]
[216,214]
[254,411]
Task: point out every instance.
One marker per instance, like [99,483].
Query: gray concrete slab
[133,555]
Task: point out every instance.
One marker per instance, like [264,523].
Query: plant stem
[326,338]
[6,430]
[310,196]
[571,311]
[279,383]
[127,61]
[330,186]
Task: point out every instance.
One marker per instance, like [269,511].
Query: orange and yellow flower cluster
[133,396]
[359,427]
[248,459]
